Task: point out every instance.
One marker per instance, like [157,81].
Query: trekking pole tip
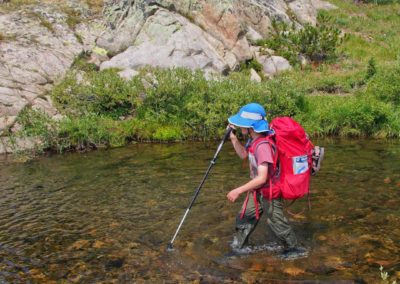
[170,247]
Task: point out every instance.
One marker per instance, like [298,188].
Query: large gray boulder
[8,145]
[304,11]
[201,34]
[170,40]
[37,48]
[274,64]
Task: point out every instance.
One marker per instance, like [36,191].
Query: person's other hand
[232,134]
[233,195]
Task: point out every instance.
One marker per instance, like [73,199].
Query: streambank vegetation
[352,91]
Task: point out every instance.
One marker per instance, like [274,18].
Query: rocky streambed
[107,216]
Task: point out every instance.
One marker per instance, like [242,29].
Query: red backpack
[295,158]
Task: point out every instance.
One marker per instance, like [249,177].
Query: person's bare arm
[239,148]
[255,183]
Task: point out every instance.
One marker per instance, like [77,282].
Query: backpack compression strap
[245,205]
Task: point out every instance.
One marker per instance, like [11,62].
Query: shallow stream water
[107,216]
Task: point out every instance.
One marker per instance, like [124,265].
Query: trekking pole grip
[226,135]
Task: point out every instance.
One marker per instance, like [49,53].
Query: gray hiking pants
[276,220]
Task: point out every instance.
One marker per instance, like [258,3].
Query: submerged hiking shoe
[250,249]
[294,253]
[269,247]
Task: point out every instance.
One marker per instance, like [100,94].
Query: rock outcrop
[274,64]
[212,35]
[38,46]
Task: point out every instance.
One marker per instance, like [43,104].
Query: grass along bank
[103,110]
[357,94]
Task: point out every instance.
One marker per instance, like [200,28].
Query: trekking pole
[227,133]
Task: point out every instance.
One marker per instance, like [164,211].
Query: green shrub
[186,98]
[168,133]
[104,93]
[39,126]
[177,104]
[385,85]
[44,22]
[338,84]
[318,43]
[90,131]
[170,92]
[371,69]
[72,21]
[80,40]
[81,62]
[380,2]
[251,64]
[172,98]
[347,116]
[74,17]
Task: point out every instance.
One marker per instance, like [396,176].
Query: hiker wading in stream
[261,155]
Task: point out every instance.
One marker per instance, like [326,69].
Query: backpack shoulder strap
[268,140]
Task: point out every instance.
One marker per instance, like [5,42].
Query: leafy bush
[104,93]
[81,62]
[177,104]
[380,2]
[37,124]
[73,18]
[90,131]
[385,85]
[251,64]
[168,133]
[348,116]
[371,69]
[318,43]
[186,98]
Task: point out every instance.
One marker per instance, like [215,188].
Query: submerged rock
[321,269]
[293,271]
[114,263]
[98,244]
[79,244]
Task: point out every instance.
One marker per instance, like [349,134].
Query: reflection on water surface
[107,216]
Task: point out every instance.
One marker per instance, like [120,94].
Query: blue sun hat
[251,116]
